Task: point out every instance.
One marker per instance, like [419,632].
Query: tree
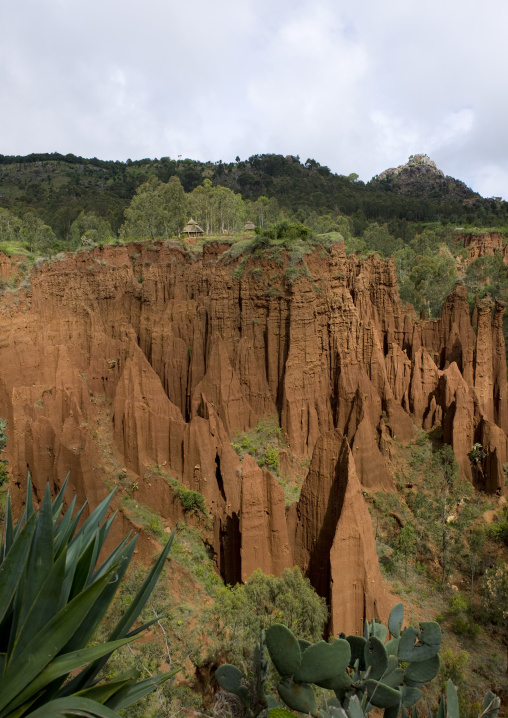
[9,226]
[406,544]
[216,208]
[38,236]
[54,593]
[379,239]
[157,210]
[240,612]
[89,228]
[446,470]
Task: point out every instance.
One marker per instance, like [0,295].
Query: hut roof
[250,225]
[192,227]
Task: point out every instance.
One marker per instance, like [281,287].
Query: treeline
[59,187]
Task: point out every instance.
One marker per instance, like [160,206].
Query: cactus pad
[284,649]
[422,672]
[298,696]
[323,660]
[380,695]
[357,644]
[375,658]
[396,619]
[416,646]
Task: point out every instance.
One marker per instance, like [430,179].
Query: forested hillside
[437,230]
[57,188]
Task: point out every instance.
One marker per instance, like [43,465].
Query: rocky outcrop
[145,356]
[420,177]
[484,244]
[333,538]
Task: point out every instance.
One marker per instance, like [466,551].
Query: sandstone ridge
[174,352]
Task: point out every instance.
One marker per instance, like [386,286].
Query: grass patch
[192,501]
[264,443]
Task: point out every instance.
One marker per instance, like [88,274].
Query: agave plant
[54,592]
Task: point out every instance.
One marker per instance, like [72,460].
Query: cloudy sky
[358,86]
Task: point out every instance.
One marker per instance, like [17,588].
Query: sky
[357,86]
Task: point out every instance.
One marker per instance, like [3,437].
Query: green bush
[263,443]
[191,500]
[235,619]
[54,594]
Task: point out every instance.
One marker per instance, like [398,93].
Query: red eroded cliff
[166,354]
[479,245]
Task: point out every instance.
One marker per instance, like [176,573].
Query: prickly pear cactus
[385,669]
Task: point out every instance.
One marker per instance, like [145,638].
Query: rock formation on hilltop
[177,352]
[420,177]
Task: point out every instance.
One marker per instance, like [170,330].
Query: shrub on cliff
[235,619]
[54,594]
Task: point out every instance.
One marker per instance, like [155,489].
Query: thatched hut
[192,229]
[249,226]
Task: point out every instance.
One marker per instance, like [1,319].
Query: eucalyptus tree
[157,209]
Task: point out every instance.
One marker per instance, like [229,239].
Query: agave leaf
[113,557]
[29,499]
[102,692]
[47,643]
[8,534]
[83,679]
[40,560]
[73,706]
[43,609]
[84,568]
[102,535]
[89,528]
[142,596]
[74,549]
[17,601]
[98,610]
[64,529]
[59,499]
[131,694]
[146,625]
[62,666]
[14,565]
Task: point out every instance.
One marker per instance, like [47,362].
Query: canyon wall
[158,355]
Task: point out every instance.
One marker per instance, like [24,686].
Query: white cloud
[358,87]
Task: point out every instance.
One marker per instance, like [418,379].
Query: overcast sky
[358,86]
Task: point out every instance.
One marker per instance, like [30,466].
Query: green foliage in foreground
[53,597]
[363,672]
